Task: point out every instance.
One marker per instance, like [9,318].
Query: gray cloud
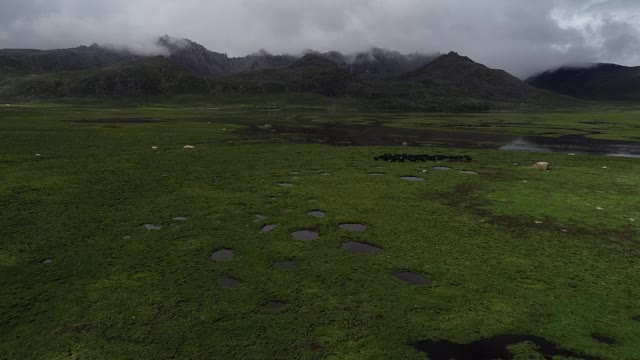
[520,36]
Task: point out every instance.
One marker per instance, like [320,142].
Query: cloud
[520,36]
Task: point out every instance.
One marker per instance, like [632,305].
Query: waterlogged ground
[257,246]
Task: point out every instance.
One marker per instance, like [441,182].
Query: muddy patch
[376,174]
[603,339]
[412,178]
[490,349]
[268,228]
[317,214]
[222,255]
[420,158]
[285,185]
[117,121]
[228,283]
[286,265]
[305,235]
[275,305]
[353,227]
[442,168]
[360,248]
[468,172]
[412,278]
[152,227]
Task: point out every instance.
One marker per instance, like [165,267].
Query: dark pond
[360,248]
[379,135]
[268,228]
[222,255]
[317,214]
[305,235]
[286,265]
[490,349]
[353,227]
[227,282]
[412,278]
[412,178]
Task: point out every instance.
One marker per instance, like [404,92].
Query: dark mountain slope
[459,74]
[379,63]
[311,73]
[203,62]
[596,82]
[149,77]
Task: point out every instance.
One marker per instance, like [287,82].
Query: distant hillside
[149,77]
[388,79]
[596,82]
[27,61]
[379,63]
[457,74]
[311,73]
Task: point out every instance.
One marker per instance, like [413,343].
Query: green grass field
[509,251]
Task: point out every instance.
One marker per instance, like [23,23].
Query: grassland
[509,251]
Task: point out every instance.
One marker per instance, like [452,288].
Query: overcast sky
[520,36]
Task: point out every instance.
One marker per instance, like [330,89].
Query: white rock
[542,166]
[188,147]
[38,155]
[538,222]
[154,147]
[599,208]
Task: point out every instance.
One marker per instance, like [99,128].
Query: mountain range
[387,78]
[592,81]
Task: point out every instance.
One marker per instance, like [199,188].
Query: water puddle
[274,305]
[227,282]
[442,168]
[268,228]
[604,339]
[353,227]
[286,265]
[412,178]
[420,158]
[379,135]
[317,214]
[468,172]
[222,255]
[522,145]
[360,248]
[305,235]
[490,349]
[260,218]
[180,218]
[152,227]
[412,278]
[116,121]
